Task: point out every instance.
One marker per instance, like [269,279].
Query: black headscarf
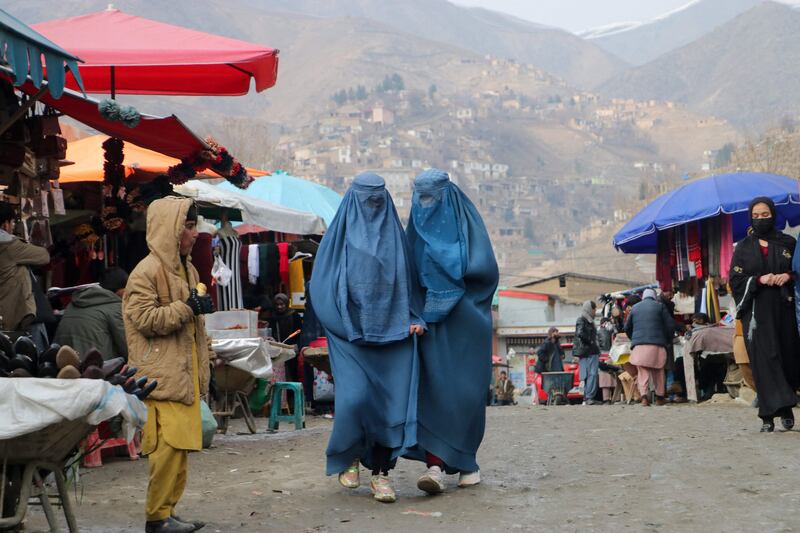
[773,235]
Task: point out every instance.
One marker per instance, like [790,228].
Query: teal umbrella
[293,192]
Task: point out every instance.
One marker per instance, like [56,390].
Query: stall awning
[709,197]
[166,135]
[22,48]
[135,55]
[140,164]
[270,216]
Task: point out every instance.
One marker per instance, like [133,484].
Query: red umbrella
[125,54]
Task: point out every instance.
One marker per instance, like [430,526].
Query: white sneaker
[469,479]
[432,481]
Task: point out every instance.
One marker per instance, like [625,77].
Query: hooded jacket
[158,322]
[16,294]
[94,320]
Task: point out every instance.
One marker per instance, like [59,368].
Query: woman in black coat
[763,286]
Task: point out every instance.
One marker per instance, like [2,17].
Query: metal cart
[557,385]
[24,459]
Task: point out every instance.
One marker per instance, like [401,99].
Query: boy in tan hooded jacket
[166,336]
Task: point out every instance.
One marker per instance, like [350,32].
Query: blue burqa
[458,272]
[363,289]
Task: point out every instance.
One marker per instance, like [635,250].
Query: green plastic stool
[299,416]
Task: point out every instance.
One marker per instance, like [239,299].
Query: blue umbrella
[709,197]
[295,193]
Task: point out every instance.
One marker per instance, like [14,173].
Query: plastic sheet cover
[31,404]
[249,355]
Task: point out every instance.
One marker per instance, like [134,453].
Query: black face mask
[763,226]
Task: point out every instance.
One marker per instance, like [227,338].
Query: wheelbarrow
[557,385]
[23,460]
[233,387]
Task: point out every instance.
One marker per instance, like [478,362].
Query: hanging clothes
[283,265]
[203,259]
[714,247]
[682,253]
[365,296]
[230,297]
[694,252]
[297,285]
[712,302]
[253,264]
[726,246]
[458,271]
[244,272]
[663,268]
[268,275]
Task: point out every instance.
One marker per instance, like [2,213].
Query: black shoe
[196,523]
[768,426]
[168,525]
[787,420]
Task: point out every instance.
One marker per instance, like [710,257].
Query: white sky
[579,15]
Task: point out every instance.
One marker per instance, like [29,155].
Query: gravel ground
[604,468]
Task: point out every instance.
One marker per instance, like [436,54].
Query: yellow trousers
[168,471]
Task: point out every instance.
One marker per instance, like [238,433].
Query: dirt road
[604,468]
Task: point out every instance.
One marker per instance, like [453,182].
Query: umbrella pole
[113,82]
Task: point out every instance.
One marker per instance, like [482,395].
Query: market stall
[693,230]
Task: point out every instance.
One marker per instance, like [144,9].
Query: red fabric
[695,252]
[321,342]
[150,57]
[765,251]
[167,135]
[432,460]
[203,260]
[283,268]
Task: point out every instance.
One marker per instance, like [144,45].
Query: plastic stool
[94,459]
[299,416]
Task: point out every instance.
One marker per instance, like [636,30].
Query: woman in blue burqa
[458,272]
[364,294]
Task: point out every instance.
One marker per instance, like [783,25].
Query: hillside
[747,70]
[567,56]
[643,42]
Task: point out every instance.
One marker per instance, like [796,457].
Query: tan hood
[166,219]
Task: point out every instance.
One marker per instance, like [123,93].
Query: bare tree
[249,140]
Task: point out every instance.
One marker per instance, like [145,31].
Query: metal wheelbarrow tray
[46,449]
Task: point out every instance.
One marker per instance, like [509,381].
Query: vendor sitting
[94,318]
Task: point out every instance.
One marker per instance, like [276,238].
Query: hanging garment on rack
[230,296]
[663,267]
[203,259]
[695,254]
[253,266]
[244,266]
[297,285]
[726,246]
[682,253]
[283,266]
[714,246]
[268,275]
